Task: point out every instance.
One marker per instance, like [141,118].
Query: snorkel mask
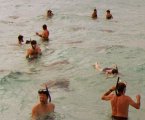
[46,92]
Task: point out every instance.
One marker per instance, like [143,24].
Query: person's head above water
[20,39]
[33,42]
[44,27]
[45,92]
[115,69]
[108,11]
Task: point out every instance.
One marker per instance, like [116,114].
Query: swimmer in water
[45,34]
[34,51]
[20,39]
[120,102]
[109,71]
[94,14]
[43,108]
[49,13]
[108,15]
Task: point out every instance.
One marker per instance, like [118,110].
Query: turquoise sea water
[76,43]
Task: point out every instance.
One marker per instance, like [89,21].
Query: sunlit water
[76,43]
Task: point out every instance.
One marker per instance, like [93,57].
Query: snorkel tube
[48,94]
[116,90]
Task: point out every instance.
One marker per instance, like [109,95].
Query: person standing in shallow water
[34,51]
[94,14]
[43,108]
[120,102]
[45,34]
[108,15]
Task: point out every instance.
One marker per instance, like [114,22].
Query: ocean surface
[76,43]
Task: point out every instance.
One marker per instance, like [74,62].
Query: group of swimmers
[119,101]
[108,14]
[35,50]
[44,106]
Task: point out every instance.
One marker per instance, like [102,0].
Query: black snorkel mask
[46,92]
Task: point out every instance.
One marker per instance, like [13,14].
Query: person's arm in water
[28,53]
[39,34]
[107,96]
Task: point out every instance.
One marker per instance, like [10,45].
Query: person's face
[43,98]
[33,46]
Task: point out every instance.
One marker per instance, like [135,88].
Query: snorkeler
[108,15]
[120,102]
[94,14]
[45,34]
[34,51]
[109,71]
[43,108]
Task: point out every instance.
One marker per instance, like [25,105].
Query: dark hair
[44,26]
[115,71]
[33,42]
[95,9]
[120,87]
[108,11]
[46,92]
[49,11]
[20,37]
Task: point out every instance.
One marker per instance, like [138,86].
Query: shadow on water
[58,83]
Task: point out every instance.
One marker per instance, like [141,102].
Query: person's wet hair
[44,26]
[46,92]
[108,11]
[33,42]
[20,38]
[115,71]
[120,87]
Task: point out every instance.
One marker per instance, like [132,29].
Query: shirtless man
[120,102]
[94,15]
[45,34]
[34,51]
[109,71]
[43,108]
[108,15]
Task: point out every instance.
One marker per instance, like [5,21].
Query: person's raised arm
[135,104]
[107,96]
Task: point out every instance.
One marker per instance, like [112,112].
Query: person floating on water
[109,71]
[108,15]
[120,102]
[34,51]
[45,34]
[43,108]
[94,14]
[49,13]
